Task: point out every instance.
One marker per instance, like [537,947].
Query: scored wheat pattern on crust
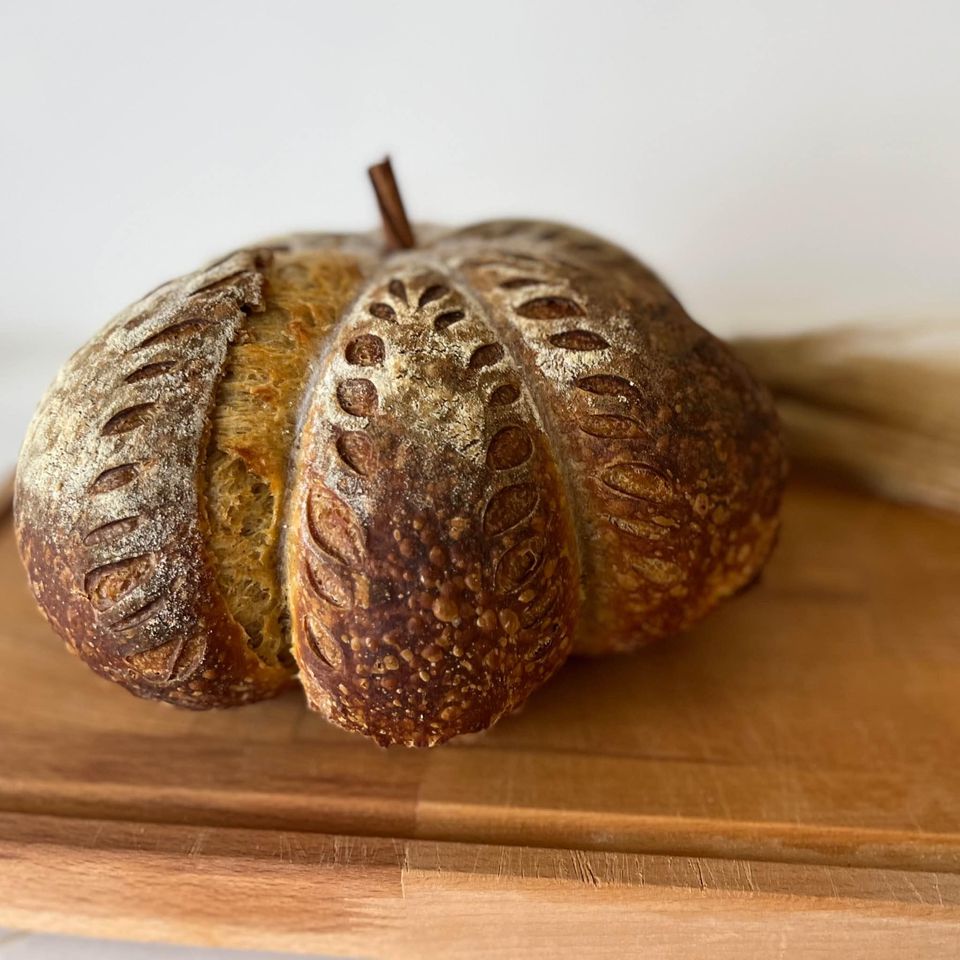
[676,502]
[584,367]
[460,570]
[130,507]
[109,585]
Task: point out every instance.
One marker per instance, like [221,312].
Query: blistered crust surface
[109,510]
[431,562]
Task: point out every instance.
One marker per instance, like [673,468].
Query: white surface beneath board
[22,945]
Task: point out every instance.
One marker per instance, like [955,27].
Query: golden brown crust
[514,437]
[431,561]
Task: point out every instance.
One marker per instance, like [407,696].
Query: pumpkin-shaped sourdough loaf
[424,477]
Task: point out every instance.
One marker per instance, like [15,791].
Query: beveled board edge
[364,896]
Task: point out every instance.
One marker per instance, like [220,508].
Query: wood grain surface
[781,781]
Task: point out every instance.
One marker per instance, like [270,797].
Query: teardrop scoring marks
[365,350]
[580,340]
[435,291]
[112,530]
[112,478]
[129,418]
[149,371]
[587,368]
[174,333]
[358,396]
[553,307]
[328,561]
[531,571]
[504,395]
[462,524]
[521,521]
[485,355]
[334,529]
[509,448]
[322,644]
[393,324]
[158,373]
[357,452]
[614,415]
[509,507]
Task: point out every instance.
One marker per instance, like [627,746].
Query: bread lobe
[671,451]
[431,562]
[108,510]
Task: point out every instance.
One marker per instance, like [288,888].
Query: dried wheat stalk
[875,403]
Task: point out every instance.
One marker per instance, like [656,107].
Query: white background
[782,164]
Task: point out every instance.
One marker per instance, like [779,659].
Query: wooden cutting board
[781,781]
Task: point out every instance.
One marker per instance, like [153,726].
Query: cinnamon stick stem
[396,226]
